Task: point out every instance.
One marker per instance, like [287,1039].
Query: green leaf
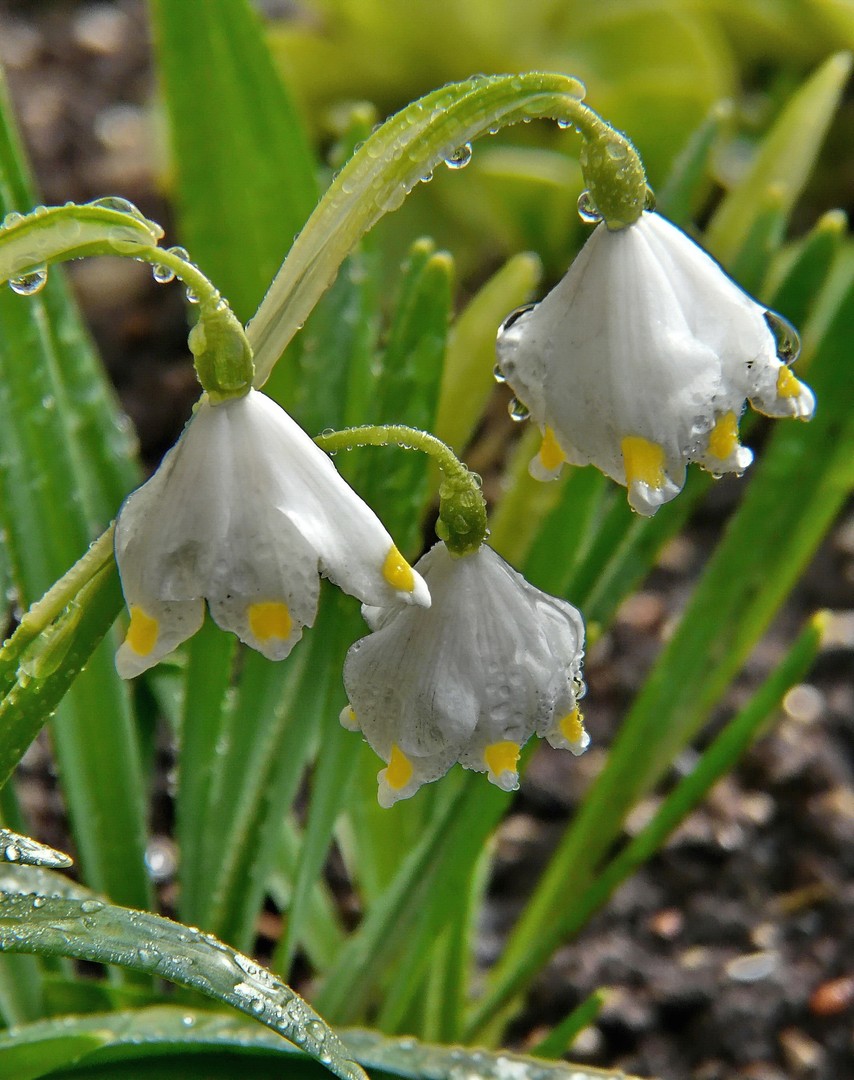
[784,160]
[30,1060]
[91,930]
[158,1035]
[244,170]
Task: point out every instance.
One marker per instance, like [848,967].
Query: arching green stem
[462,509]
[406,148]
[31,242]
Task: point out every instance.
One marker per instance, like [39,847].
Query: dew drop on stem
[30,283]
[460,157]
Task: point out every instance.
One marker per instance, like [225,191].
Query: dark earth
[732,954]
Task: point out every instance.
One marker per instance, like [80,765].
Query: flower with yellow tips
[492,662]
[246,513]
[641,359]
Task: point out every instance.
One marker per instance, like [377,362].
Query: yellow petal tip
[142,632]
[397,571]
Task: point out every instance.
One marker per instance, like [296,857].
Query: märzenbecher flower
[246,513]
[492,662]
[641,359]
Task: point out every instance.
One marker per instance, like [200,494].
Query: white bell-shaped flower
[492,662]
[246,512]
[641,359]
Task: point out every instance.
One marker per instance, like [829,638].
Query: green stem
[406,149]
[462,509]
[221,351]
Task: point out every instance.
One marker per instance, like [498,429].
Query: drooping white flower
[246,512]
[641,358]
[491,663]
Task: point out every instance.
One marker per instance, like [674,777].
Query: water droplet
[12,218]
[39,901]
[649,199]
[188,1021]
[11,853]
[192,296]
[518,410]
[179,253]
[498,374]
[48,402]
[460,157]
[30,283]
[563,123]
[587,210]
[316,1030]
[785,337]
[115,202]
[91,906]
[162,274]
[427,177]
[514,317]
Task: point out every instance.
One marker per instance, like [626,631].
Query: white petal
[472,678]
[645,339]
[156,629]
[353,547]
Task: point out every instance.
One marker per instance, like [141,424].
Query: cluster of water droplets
[15,848]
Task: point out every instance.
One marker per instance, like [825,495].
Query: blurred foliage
[658,68]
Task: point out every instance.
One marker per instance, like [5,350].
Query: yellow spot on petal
[501,757]
[572,726]
[723,438]
[399,770]
[643,460]
[397,571]
[270,619]
[551,455]
[142,632]
[787,384]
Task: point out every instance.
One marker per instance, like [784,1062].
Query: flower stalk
[462,508]
[112,226]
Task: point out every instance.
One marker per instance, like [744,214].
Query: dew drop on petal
[518,410]
[30,283]
[563,123]
[12,218]
[179,253]
[649,199]
[460,157]
[498,374]
[785,337]
[514,317]
[587,210]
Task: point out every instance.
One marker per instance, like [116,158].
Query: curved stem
[408,147]
[462,508]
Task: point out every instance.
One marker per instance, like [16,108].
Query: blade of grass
[784,160]
[244,169]
[105,933]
